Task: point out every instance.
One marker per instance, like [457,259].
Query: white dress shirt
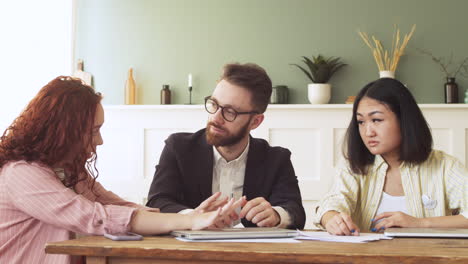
[228,178]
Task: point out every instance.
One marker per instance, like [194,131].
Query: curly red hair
[57,123]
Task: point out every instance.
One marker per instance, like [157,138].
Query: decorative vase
[451,91]
[319,93]
[130,89]
[387,74]
[165,94]
[279,94]
[466,96]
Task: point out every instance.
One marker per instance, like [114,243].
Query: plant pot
[319,93]
[387,74]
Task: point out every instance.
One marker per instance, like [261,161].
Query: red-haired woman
[47,179]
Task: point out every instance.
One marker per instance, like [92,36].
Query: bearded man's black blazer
[183,177]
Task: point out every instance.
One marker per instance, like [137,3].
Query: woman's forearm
[452,221]
[148,223]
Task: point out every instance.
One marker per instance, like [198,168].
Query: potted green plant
[319,70]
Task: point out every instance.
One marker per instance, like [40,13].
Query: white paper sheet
[252,240]
[325,236]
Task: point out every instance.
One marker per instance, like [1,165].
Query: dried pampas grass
[388,61]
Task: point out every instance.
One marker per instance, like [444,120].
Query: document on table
[325,236]
[242,240]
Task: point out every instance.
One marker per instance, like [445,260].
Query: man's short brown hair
[253,78]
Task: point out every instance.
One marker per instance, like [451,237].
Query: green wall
[164,40]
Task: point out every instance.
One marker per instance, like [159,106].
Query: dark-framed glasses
[228,113]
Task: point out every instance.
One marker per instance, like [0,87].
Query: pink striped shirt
[36,208]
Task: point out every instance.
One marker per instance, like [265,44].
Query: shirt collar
[242,157]
[379,161]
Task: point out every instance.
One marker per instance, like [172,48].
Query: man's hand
[211,204]
[260,212]
[228,213]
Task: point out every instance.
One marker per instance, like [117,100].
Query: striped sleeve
[456,177]
[94,191]
[106,197]
[341,197]
[36,191]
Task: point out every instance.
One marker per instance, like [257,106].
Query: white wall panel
[304,145]
[338,140]
[443,139]
[466,147]
[120,161]
[134,137]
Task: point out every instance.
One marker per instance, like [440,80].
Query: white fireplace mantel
[279,106]
[134,137]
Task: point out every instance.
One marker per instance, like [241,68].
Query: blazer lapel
[254,169]
[203,166]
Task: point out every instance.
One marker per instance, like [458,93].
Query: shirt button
[100,222]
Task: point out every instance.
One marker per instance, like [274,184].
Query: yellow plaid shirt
[433,188]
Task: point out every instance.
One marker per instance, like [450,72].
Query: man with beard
[199,172]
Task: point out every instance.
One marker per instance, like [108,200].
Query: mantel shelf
[275,106]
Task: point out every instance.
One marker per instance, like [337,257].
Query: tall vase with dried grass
[387,61]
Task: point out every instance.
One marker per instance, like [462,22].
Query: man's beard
[229,139]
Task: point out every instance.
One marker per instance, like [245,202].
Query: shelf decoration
[387,60]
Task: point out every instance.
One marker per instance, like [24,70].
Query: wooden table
[169,250]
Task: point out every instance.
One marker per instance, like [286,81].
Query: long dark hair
[58,121]
[416,138]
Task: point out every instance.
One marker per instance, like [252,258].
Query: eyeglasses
[228,113]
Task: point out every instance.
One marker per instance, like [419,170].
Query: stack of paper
[251,240]
[324,236]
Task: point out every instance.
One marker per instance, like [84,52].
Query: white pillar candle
[190,80]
